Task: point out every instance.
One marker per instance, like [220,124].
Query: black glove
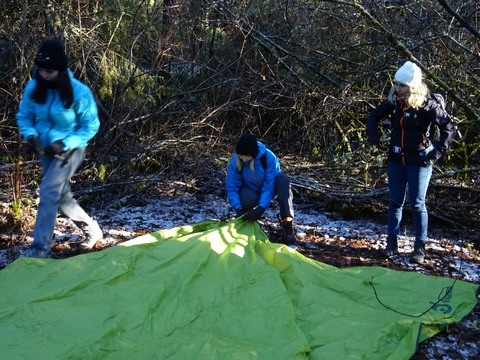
[255,214]
[35,144]
[239,212]
[55,148]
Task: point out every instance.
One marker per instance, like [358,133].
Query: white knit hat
[409,74]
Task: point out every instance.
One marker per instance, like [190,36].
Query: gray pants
[55,194]
[284,196]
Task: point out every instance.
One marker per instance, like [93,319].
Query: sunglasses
[400,85]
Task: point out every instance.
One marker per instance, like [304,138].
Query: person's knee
[249,198]
[49,197]
[282,183]
[281,178]
[248,204]
[395,204]
[419,208]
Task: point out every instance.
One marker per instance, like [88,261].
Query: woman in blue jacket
[254,179]
[413,114]
[57,116]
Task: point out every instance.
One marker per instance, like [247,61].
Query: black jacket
[409,128]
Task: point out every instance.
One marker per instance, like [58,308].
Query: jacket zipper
[50,118]
[402,140]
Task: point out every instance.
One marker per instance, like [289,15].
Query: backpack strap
[432,131]
[263,160]
[440,99]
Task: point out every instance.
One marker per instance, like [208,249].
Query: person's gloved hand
[428,155]
[254,214]
[35,144]
[425,152]
[55,148]
[239,212]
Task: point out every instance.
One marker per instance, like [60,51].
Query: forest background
[178,81]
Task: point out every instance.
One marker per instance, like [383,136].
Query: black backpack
[433,131]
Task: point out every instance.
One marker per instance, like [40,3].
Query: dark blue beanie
[247,145]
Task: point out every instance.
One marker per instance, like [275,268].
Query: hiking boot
[392,246]
[93,234]
[288,235]
[418,255]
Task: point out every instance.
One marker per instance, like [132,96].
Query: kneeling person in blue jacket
[254,179]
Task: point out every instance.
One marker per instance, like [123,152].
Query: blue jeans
[417,178]
[55,195]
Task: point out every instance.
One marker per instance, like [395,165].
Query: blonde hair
[239,164]
[416,98]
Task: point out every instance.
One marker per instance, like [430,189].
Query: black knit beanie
[247,145]
[51,55]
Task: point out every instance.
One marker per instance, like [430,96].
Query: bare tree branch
[460,19]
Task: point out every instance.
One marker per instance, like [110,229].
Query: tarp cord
[440,297]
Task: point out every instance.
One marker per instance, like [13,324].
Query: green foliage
[102,171]
[118,204]
[314,150]
[131,89]
[149,164]
[17,211]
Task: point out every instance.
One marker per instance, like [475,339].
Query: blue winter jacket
[262,180]
[52,122]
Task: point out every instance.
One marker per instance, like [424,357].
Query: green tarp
[217,291]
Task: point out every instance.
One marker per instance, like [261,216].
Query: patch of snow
[168,212]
